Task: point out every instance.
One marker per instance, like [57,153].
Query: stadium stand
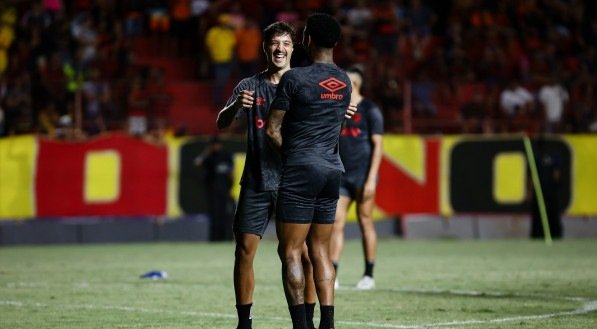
[441,50]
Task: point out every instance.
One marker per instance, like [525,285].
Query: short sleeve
[283,93]
[375,120]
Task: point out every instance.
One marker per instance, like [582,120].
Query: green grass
[420,284]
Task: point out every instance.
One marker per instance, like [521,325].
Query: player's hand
[245,99]
[352,109]
[369,189]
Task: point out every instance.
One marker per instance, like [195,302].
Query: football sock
[309,311]
[244,316]
[327,317]
[298,315]
[369,268]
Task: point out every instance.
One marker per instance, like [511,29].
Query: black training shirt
[263,164]
[315,99]
[355,138]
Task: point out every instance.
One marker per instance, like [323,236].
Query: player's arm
[376,154]
[274,127]
[228,113]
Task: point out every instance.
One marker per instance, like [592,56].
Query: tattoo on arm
[274,127]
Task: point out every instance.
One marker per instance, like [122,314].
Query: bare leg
[310,293]
[337,240]
[323,271]
[365,215]
[244,278]
[291,240]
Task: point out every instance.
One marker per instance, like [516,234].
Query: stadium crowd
[68,69]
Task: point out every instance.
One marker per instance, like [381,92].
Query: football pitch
[421,284]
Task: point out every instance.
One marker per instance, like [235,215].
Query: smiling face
[278,51]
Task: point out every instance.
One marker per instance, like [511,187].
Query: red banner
[400,193]
[105,176]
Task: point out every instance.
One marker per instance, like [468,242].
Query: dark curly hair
[323,29]
[278,28]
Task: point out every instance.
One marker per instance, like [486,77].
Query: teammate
[304,122]
[360,151]
[262,170]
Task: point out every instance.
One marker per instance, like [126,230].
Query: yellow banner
[17,177]
[584,174]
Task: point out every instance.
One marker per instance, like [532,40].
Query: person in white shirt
[515,100]
[553,97]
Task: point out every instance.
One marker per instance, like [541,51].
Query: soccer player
[360,151]
[263,166]
[304,122]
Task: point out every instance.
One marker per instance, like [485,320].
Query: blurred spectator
[359,19]
[18,111]
[199,20]
[7,35]
[385,28]
[137,107]
[180,28]
[390,95]
[248,48]
[473,113]
[160,94]
[419,20]
[218,177]
[515,100]
[422,93]
[48,120]
[220,41]
[96,96]
[85,33]
[553,97]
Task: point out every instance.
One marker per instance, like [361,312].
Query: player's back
[318,97]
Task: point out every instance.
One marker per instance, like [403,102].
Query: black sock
[298,315]
[309,311]
[327,317]
[369,268]
[244,316]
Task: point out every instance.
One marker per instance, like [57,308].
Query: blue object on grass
[154,275]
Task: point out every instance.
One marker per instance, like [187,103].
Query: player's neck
[323,56]
[274,75]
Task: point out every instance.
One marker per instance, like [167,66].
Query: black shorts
[254,211]
[308,194]
[351,185]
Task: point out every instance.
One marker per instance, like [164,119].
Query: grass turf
[420,284]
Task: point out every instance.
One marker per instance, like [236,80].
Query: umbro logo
[332,85]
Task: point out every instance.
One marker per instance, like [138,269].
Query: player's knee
[244,251]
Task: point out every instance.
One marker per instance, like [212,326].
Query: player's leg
[323,271]
[319,245]
[292,238]
[244,278]
[310,293]
[369,240]
[250,221]
[337,241]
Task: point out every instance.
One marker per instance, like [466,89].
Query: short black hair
[323,29]
[278,28]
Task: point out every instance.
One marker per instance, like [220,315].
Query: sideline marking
[587,306]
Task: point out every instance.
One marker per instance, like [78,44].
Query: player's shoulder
[249,82]
[369,104]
